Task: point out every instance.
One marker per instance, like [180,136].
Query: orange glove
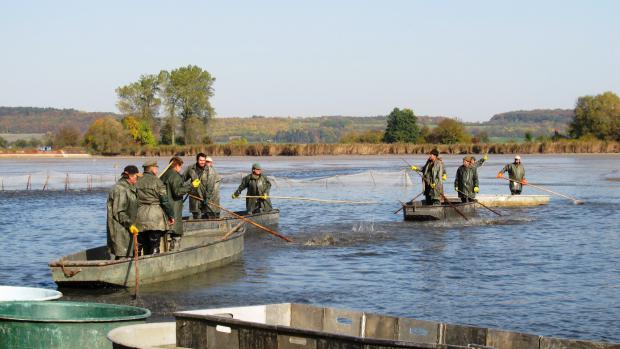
[523,181]
[500,175]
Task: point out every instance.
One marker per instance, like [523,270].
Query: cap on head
[209,159]
[131,169]
[471,158]
[435,152]
[150,163]
[256,166]
[517,157]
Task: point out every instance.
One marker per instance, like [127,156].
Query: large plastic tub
[155,335]
[15,293]
[63,324]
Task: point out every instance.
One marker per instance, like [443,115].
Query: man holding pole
[516,174]
[122,207]
[210,208]
[257,185]
[198,171]
[433,175]
[466,181]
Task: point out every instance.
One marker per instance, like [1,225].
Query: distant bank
[43,155]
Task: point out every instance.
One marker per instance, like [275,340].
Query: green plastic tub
[27,324]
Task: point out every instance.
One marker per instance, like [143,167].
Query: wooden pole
[310,199]
[412,200]
[29,182]
[244,219]
[480,203]
[67,182]
[135,262]
[575,201]
[165,169]
[47,178]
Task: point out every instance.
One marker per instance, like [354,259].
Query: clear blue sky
[468,59]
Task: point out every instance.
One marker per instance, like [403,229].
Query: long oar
[135,262]
[412,200]
[311,199]
[575,201]
[480,203]
[445,199]
[244,219]
[165,169]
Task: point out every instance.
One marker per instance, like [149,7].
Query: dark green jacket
[122,207]
[153,206]
[432,173]
[465,181]
[515,172]
[176,190]
[212,190]
[257,186]
[191,173]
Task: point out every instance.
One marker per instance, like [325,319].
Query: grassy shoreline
[559,147]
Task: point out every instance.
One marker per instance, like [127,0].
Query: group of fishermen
[151,206]
[466,183]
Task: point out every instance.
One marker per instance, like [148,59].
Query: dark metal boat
[417,211]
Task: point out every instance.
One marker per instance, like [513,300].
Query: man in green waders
[176,190]
[154,211]
[433,175]
[257,185]
[122,207]
[198,171]
[466,181]
[211,192]
[516,173]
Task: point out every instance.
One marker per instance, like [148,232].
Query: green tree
[401,126]
[187,92]
[528,136]
[66,136]
[3,143]
[449,131]
[140,99]
[106,136]
[195,131]
[139,130]
[598,116]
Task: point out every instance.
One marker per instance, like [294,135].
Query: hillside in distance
[323,129]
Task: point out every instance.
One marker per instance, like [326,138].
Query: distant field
[12,137]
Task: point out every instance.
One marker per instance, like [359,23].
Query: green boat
[93,267]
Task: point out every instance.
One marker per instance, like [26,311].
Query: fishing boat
[94,268]
[456,209]
[301,326]
[498,200]
[268,219]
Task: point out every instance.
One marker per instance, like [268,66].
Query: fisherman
[433,175]
[516,174]
[176,189]
[155,213]
[257,185]
[212,192]
[122,208]
[197,171]
[466,181]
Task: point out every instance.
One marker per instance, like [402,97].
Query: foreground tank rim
[46,293]
[126,312]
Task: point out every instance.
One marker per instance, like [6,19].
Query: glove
[433,185]
[414,168]
[196,183]
[133,229]
[444,177]
[264,196]
[235,196]
[485,157]
[500,175]
[523,181]
[476,189]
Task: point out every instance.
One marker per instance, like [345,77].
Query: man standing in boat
[155,213]
[257,185]
[516,175]
[433,175]
[176,189]
[201,171]
[466,181]
[122,207]
[212,191]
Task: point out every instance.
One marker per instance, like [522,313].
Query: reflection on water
[550,270]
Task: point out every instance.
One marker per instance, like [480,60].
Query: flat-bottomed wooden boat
[417,211]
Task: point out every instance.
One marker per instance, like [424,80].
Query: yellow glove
[264,196]
[444,177]
[500,175]
[235,195]
[476,189]
[133,229]
[433,185]
[485,157]
[196,183]
[414,168]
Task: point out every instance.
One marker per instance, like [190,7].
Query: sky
[465,59]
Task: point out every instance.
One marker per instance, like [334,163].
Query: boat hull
[419,212]
[90,268]
[510,200]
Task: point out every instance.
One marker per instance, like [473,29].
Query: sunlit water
[551,270]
